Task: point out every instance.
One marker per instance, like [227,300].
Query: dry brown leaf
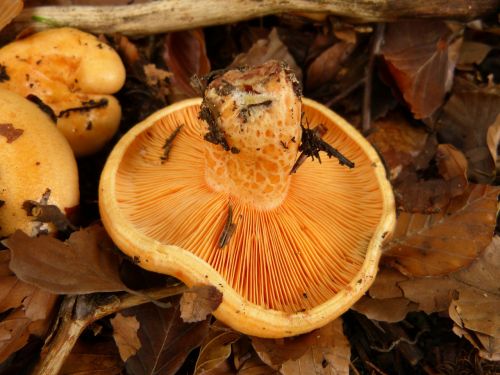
[431,245]
[255,366]
[386,284]
[325,67]
[492,140]
[401,144]
[421,56]
[96,358]
[166,340]
[215,351]
[264,50]
[388,310]
[452,165]
[12,290]
[464,123]
[198,302]
[83,264]
[9,9]
[475,314]
[472,53]
[125,334]
[432,294]
[330,354]
[186,55]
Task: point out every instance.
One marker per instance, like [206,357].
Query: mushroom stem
[254,118]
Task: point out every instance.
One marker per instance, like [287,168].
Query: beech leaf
[198,302]
[464,123]
[165,339]
[421,243]
[388,310]
[125,334]
[421,56]
[215,350]
[83,264]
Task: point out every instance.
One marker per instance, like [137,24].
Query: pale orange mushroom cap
[305,246]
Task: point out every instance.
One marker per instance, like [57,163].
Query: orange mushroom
[290,252]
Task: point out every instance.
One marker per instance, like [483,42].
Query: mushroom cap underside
[284,271]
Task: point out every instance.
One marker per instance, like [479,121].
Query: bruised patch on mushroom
[3,73]
[8,131]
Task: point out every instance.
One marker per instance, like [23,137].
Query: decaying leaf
[215,350]
[326,66]
[96,358]
[421,56]
[464,123]
[165,339]
[83,264]
[125,334]
[264,50]
[185,55]
[431,245]
[492,140]
[324,351]
[472,53]
[452,165]
[198,302]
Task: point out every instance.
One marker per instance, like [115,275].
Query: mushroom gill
[289,256]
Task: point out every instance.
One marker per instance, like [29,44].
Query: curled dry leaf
[198,302]
[93,359]
[452,165]
[421,56]
[326,66]
[264,50]
[215,350]
[421,243]
[125,334]
[472,53]
[186,55]
[166,340]
[83,264]
[464,123]
[323,351]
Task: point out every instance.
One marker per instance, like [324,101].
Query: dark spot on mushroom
[324,363]
[38,62]
[136,259]
[44,107]
[304,295]
[215,135]
[384,234]
[284,145]
[235,150]
[8,131]
[86,106]
[228,229]
[2,202]
[100,46]
[89,125]
[3,73]
[37,163]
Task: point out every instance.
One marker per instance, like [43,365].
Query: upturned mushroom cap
[34,158]
[73,73]
[290,252]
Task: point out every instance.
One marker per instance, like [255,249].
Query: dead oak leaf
[96,358]
[421,243]
[421,56]
[81,265]
[166,340]
[125,335]
[198,302]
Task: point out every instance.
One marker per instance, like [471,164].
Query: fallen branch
[78,312]
[172,15]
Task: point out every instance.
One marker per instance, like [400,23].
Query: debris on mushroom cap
[37,165]
[290,252]
[71,75]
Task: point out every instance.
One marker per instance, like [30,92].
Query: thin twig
[344,94]
[398,341]
[78,312]
[367,96]
[377,370]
